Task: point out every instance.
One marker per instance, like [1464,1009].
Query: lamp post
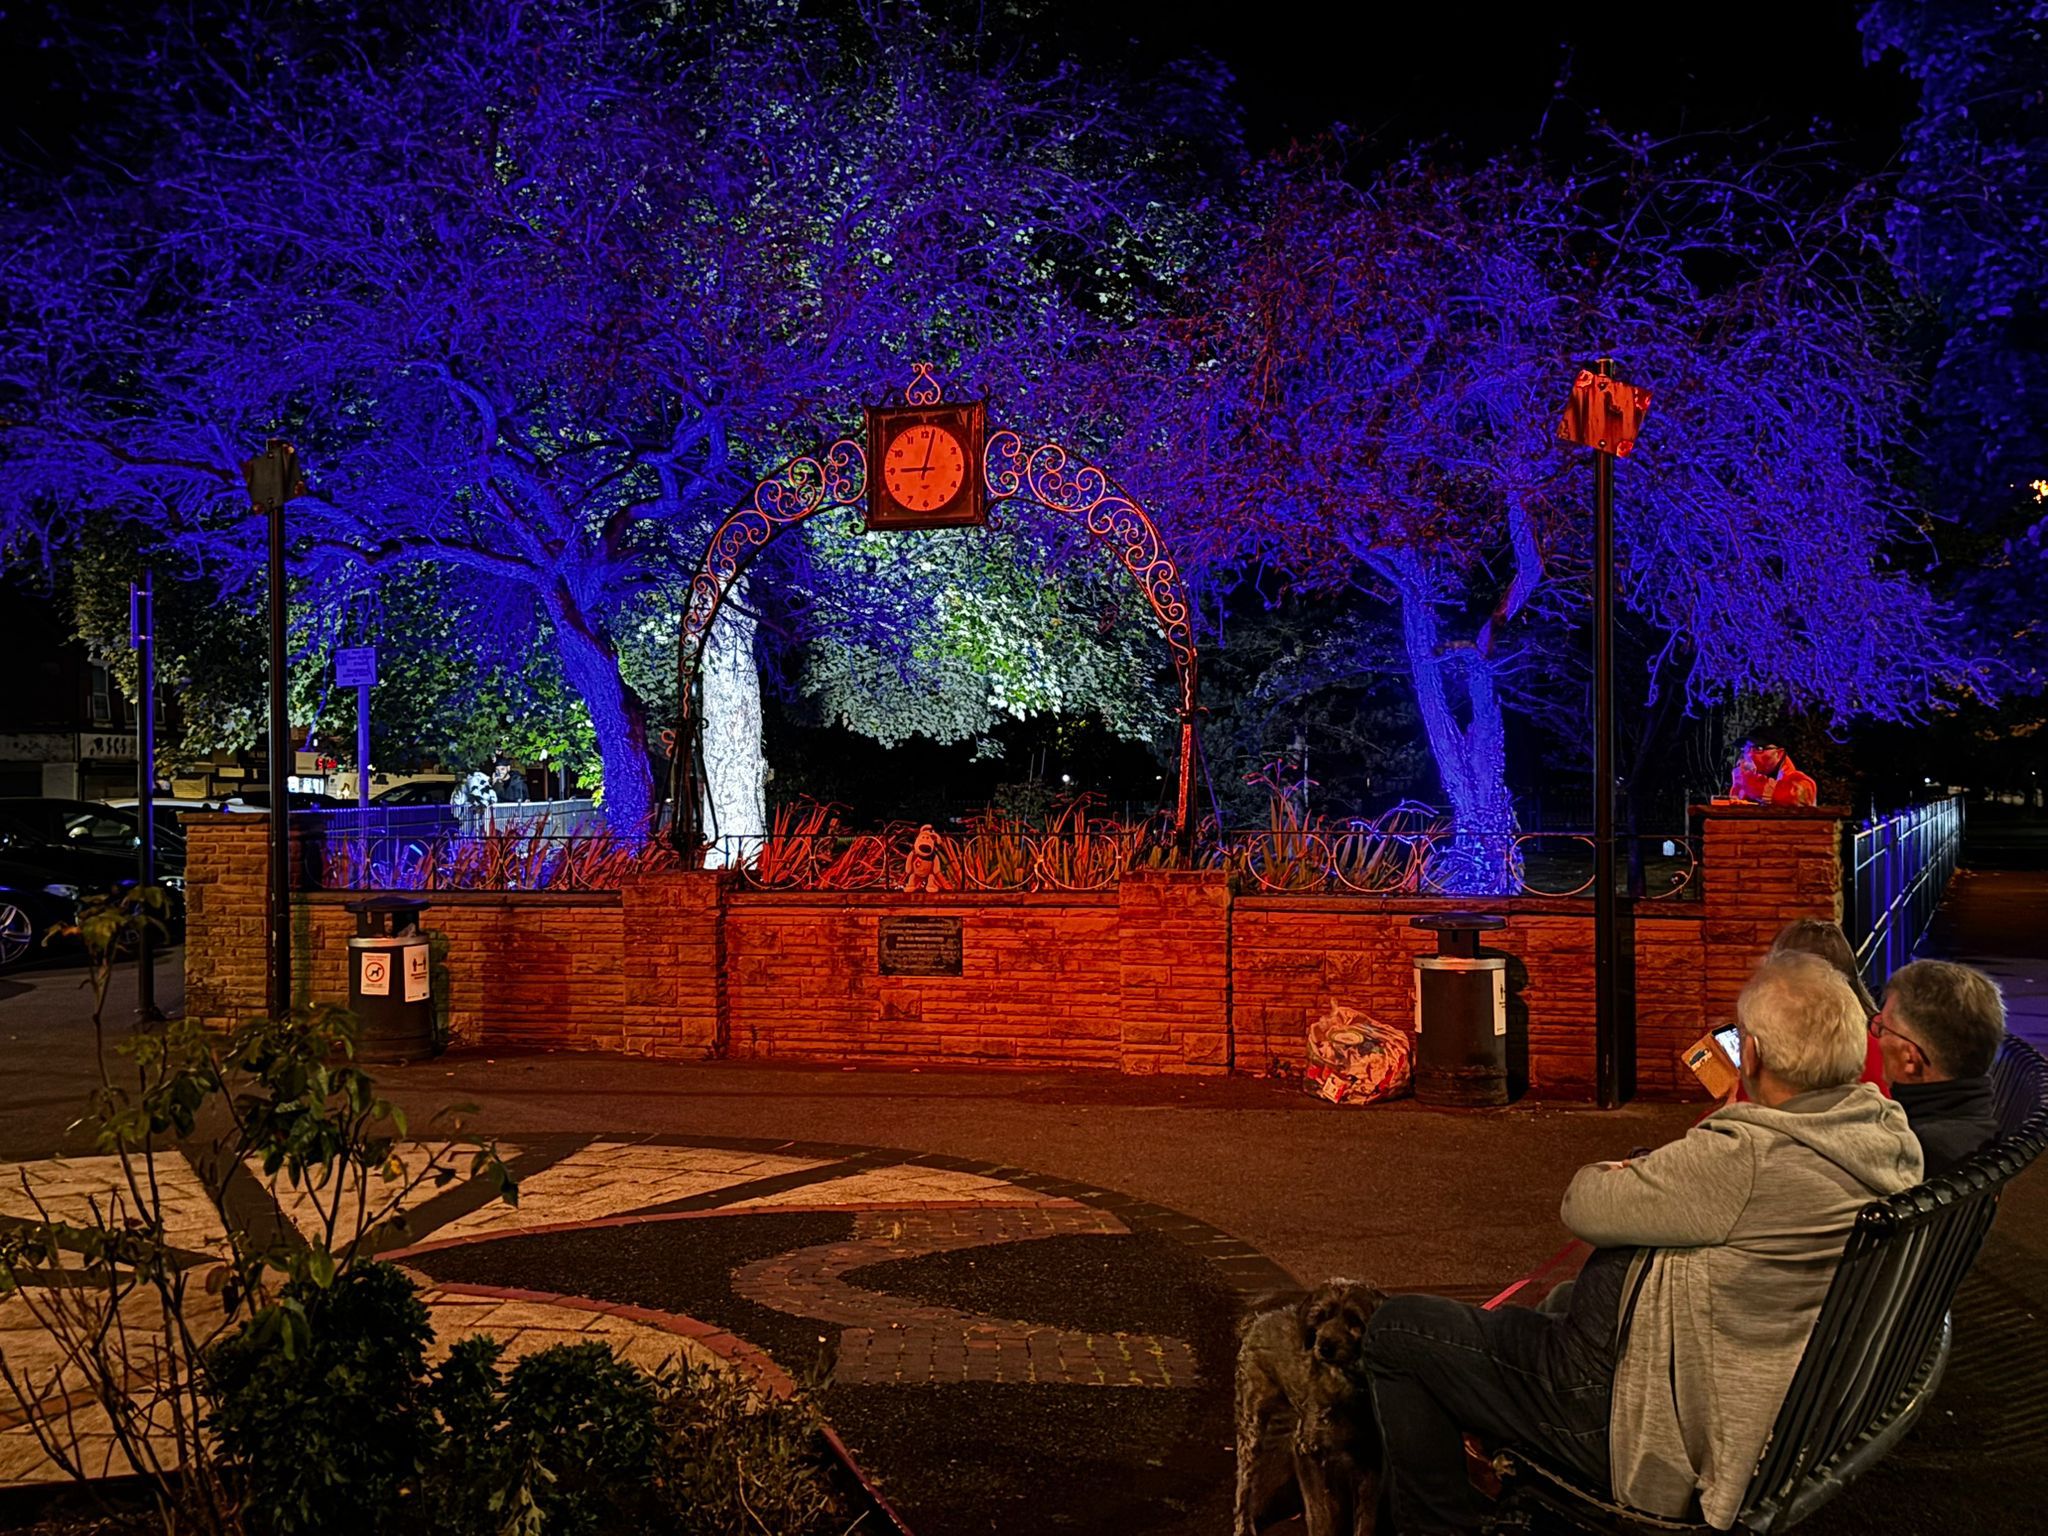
[142,641]
[273,478]
[1604,414]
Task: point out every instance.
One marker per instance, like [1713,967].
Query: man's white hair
[1806,1018]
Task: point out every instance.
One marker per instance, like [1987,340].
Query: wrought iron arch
[1043,475]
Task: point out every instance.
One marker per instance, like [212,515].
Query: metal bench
[1879,1345]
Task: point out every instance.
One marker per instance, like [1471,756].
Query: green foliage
[729,1462]
[143,1319]
[579,1424]
[327,1436]
[467,1487]
[947,635]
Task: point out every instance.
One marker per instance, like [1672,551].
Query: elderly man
[1940,1029]
[1661,1377]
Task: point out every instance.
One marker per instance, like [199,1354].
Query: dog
[1304,1412]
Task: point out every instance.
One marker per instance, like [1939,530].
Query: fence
[429,849]
[1357,861]
[533,845]
[1899,865]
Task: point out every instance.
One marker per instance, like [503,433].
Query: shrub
[471,1485]
[731,1462]
[326,1434]
[579,1424]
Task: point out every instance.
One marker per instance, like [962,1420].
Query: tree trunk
[591,667]
[735,765]
[1471,757]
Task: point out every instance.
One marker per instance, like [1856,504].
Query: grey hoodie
[1748,1213]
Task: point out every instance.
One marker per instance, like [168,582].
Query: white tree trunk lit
[735,768]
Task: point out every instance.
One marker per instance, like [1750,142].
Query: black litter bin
[390,980]
[1461,1015]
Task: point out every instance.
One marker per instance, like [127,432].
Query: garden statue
[921,869]
[1766,775]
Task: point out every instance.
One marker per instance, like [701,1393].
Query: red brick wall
[1038,983]
[525,968]
[1173,946]
[1169,973]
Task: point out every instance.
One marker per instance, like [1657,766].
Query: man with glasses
[1940,1029]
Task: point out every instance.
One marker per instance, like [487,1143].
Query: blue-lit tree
[1969,235]
[1372,387]
[538,290]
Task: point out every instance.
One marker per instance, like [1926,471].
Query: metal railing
[1899,866]
[534,848]
[1361,860]
[538,845]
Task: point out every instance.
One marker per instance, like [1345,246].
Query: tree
[537,289]
[1969,237]
[1375,378]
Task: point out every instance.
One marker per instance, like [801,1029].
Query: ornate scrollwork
[923,389]
[801,487]
[1044,474]
[838,478]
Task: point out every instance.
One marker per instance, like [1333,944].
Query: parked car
[85,826]
[52,852]
[165,811]
[435,791]
[256,801]
[32,902]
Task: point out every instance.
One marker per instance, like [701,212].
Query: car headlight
[173,882]
[68,892]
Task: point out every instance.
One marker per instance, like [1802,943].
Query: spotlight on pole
[1604,414]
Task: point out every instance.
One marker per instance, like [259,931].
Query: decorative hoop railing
[1357,861]
[1043,475]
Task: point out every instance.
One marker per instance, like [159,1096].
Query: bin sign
[417,978]
[376,973]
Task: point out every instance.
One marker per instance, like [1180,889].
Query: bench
[1880,1342]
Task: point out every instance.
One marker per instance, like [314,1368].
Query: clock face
[924,467]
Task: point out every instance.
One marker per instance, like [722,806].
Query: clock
[925,466]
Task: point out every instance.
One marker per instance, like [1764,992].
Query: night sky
[1480,77]
[1483,77]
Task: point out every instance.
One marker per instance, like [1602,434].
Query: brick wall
[1039,982]
[528,968]
[1168,973]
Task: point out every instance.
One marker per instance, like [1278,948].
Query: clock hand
[931,435]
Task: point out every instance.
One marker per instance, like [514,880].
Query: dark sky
[1478,75]
[1482,75]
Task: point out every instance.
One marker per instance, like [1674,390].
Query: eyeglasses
[1878,1026]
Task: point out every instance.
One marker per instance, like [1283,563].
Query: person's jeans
[1441,1369]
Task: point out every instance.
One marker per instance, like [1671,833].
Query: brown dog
[1304,1413]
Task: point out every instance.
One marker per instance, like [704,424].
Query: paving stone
[964,1347]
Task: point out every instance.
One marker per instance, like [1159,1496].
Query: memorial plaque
[918,946]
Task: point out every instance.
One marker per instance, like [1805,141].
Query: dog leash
[1569,1250]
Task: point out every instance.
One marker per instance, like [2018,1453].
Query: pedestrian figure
[508,784]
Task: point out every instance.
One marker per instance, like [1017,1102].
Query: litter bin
[1461,1015]
[390,981]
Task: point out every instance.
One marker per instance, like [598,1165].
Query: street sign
[356,667]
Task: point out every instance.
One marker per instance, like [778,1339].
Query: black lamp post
[273,479]
[1603,414]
